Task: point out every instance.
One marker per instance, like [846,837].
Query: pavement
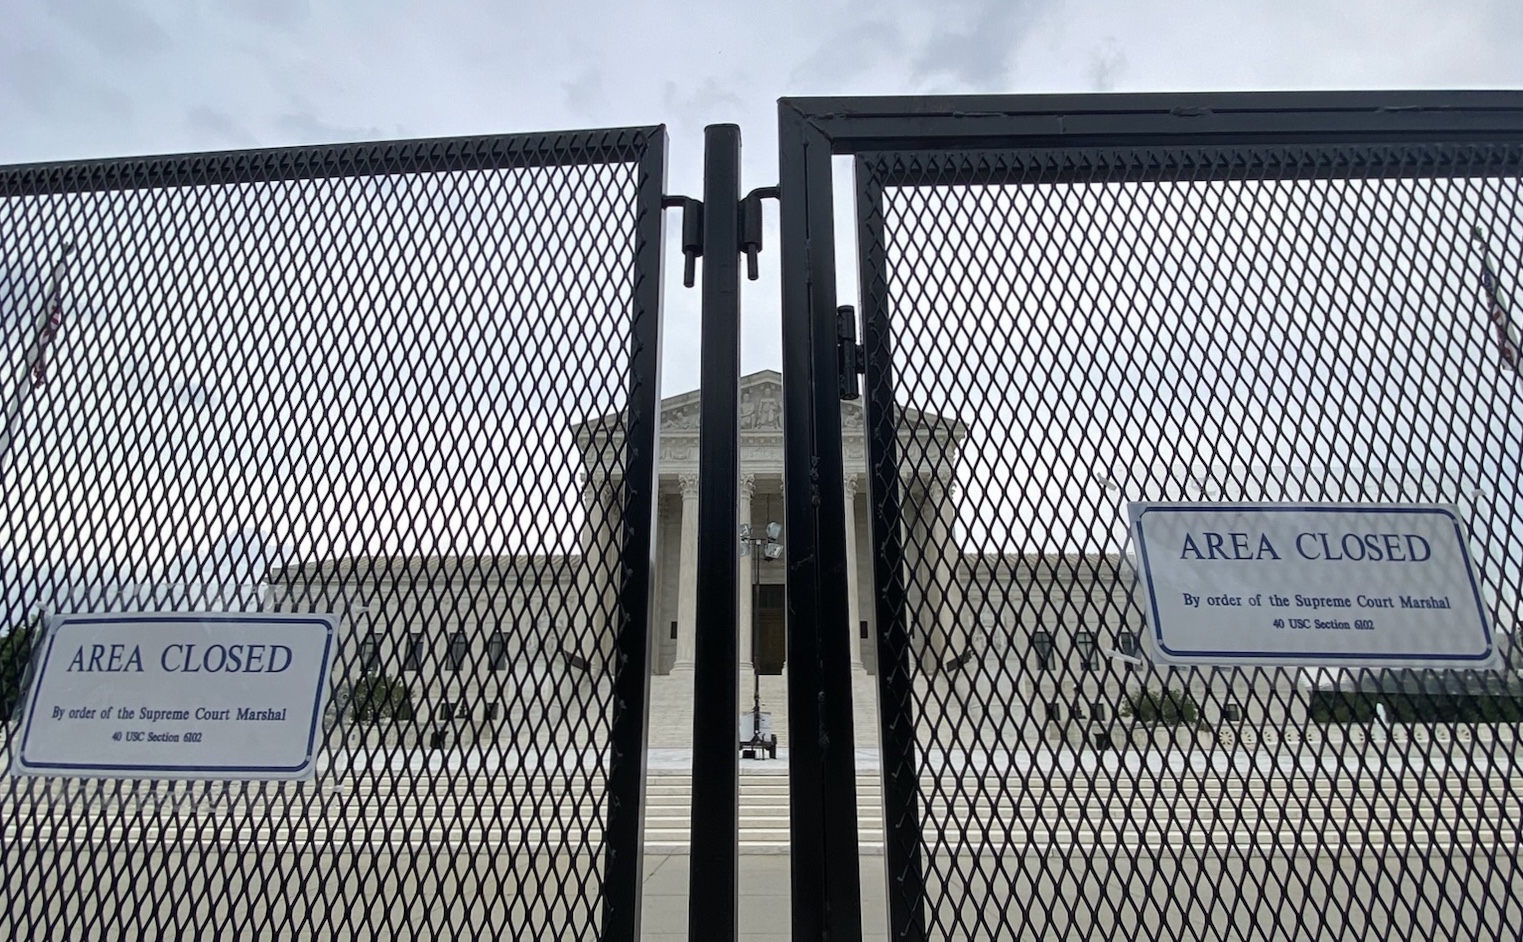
[763,914]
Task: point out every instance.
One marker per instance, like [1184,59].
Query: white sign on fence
[203,695]
[1321,585]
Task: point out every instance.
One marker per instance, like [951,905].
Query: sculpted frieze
[683,417]
[679,449]
[761,408]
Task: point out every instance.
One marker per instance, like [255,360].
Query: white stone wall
[527,687]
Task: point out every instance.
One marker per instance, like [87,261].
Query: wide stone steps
[561,813]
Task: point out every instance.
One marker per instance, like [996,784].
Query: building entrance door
[771,636]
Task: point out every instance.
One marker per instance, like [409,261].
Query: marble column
[687,575]
[586,585]
[597,582]
[743,583]
[946,595]
[611,495]
[853,604]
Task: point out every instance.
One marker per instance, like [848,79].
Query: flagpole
[33,364]
[1501,319]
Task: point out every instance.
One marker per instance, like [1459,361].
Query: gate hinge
[850,358]
[751,226]
[692,233]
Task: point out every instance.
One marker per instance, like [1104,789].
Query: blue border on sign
[209,617]
[1459,533]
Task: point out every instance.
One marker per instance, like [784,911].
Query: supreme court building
[1051,642]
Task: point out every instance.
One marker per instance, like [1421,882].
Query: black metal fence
[415,385]
[410,384]
[1072,303]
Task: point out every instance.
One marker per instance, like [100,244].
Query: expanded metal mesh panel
[1052,335]
[387,382]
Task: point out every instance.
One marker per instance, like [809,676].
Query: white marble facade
[483,642]
[761,502]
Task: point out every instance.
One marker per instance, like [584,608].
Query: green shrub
[1336,706]
[1162,708]
[15,656]
[1340,707]
[375,698]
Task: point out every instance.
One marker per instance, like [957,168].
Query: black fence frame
[625,793]
[1143,132]
[1139,132]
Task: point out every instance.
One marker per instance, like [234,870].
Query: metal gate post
[632,646]
[826,877]
[903,872]
[714,874]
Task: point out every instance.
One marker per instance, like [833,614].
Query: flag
[45,340]
[49,328]
[1507,341]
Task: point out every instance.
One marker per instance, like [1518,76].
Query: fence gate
[410,384]
[1069,304]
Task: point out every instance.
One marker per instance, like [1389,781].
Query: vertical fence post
[625,834]
[714,875]
[903,872]
[826,876]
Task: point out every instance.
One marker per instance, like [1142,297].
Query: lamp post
[759,545]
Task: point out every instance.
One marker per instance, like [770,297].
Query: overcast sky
[98,78]
[89,78]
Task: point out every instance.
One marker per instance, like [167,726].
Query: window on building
[497,651]
[458,647]
[491,709]
[1041,643]
[1231,712]
[446,710]
[1084,644]
[414,660]
[674,631]
[1054,711]
[370,654]
[1097,710]
[862,630]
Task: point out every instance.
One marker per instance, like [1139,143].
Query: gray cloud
[306,128]
[849,53]
[33,73]
[708,102]
[278,14]
[1106,65]
[44,81]
[210,124]
[118,29]
[584,94]
[976,42]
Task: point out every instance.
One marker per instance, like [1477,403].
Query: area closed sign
[189,696]
[1321,585]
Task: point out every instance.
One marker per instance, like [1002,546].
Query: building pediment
[761,419]
[761,406]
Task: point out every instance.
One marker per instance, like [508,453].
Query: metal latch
[692,233]
[850,358]
[751,225]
